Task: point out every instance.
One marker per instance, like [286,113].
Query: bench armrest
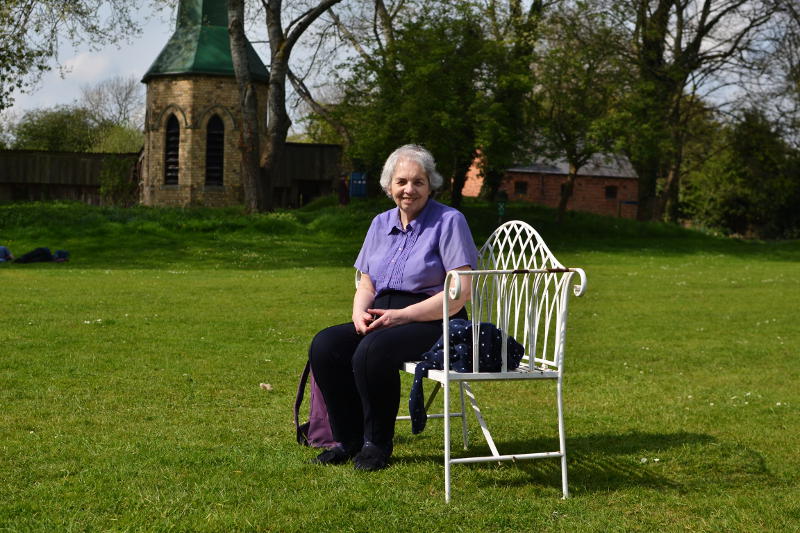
[455,287]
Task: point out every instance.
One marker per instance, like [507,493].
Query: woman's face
[410,188]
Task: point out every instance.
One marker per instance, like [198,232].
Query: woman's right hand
[362,320]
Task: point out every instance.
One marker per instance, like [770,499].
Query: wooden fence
[306,171]
[31,175]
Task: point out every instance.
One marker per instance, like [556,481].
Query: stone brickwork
[193,99]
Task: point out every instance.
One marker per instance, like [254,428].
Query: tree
[117,139]
[675,48]
[790,46]
[72,129]
[30,31]
[748,183]
[436,74]
[117,100]
[577,86]
[6,133]
[409,97]
[57,129]
[356,35]
[776,86]
[281,43]
[503,124]
[253,184]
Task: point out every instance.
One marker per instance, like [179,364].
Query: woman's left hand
[388,318]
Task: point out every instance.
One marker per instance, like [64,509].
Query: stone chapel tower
[193,119]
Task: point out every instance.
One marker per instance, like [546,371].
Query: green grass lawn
[130,398]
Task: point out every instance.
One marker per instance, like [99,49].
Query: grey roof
[600,165]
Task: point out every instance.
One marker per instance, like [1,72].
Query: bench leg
[446,443]
[562,441]
[461,386]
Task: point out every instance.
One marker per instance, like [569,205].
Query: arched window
[171,151]
[215,150]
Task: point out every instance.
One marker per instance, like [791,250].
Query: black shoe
[371,458]
[335,456]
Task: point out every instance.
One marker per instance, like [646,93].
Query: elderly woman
[397,310]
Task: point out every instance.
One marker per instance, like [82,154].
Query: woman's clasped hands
[375,319]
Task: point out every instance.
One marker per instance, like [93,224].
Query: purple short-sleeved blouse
[416,259]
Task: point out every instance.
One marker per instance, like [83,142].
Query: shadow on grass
[603,462]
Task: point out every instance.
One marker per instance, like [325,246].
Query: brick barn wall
[589,193]
[193,100]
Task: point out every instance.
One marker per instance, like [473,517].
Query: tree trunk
[670,196]
[566,193]
[277,125]
[459,177]
[278,121]
[671,43]
[651,156]
[666,204]
[248,138]
[492,178]
[647,171]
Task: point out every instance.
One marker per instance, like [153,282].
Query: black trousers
[358,374]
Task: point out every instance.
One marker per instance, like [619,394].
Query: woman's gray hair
[415,153]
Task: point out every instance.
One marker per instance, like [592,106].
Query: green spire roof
[200,44]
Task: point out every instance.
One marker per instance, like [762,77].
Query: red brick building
[607,185]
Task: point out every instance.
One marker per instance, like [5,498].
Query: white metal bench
[522,289]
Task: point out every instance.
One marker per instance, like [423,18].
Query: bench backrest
[527,298]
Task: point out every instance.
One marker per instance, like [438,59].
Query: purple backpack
[317,431]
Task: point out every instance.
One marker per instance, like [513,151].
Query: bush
[118,182]
[748,185]
[57,129]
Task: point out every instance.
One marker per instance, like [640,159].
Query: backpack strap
[301,389]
